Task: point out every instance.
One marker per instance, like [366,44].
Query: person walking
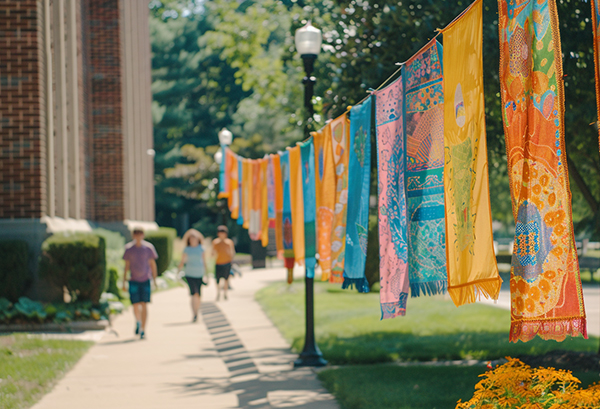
[223,251]
[140,258]
[194,259]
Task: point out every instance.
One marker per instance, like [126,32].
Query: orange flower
[544,286]
[522,286]
[551,196]
[559,230]
[519,303]
[557,251]
[537,189]
[554,218]
[550,275]
[544,179]
[534,293]
[529,305]
[513,286]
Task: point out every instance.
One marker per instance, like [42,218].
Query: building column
[49,100]
[61,130]
[74,190]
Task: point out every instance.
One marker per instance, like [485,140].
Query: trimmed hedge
[14,272]
[77,262]
[163,240]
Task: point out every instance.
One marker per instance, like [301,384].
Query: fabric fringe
[470,293]
[361,284]
[546,328]
[428,288]
[394,309]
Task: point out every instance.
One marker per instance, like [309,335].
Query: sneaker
[142,335]
[195,318]
[137,327]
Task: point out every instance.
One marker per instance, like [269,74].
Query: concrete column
[50,182]
[62,141]
[74,191]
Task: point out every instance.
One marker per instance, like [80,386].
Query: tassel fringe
[428,288]
[361,284]
[470,293]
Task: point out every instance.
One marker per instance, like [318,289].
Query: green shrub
[163,240]
[14,271]
[113,282]
[115,247]
[26,311]
[372,264]
[77,262]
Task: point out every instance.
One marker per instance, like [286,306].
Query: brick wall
[22,130]
[105,72]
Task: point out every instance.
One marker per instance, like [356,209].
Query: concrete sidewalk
[232,358]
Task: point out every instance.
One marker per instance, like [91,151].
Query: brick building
[75,116]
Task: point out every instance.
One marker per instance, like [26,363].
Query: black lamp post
[308,44]
[225,139]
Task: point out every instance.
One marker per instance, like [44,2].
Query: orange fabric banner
[297,202]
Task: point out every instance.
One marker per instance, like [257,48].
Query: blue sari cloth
[359,180]
[307,152]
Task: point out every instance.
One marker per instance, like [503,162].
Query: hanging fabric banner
[325,190]
[278,189]
[546,296]
[472,267]
[297,203]
[424,127]
[596,27]
[255,229]
[232,174]
[223,180]
[340,132]
[264,203]
[391,156]
[310,205]
[288,237]
[247,186]
[359,183]
[240,167]
[270,192]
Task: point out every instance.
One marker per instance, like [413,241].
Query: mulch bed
[570,360]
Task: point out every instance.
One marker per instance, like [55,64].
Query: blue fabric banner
[307,152]
[359,180]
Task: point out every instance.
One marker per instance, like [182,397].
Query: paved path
[591,300]
[232,358]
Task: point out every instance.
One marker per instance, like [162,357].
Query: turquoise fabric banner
[307,152]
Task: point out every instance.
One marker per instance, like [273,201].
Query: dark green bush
[113,282]
[14,271]
[372,264]
[163,240]
[26,311]
[77,262]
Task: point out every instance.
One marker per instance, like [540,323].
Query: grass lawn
[29,366]
[390,386]
[349,329]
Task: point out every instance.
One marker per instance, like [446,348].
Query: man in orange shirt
[223,251]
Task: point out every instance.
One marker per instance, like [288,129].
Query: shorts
[139,291]
[195,284]
[222,271]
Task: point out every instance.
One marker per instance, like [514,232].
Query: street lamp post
[308,44]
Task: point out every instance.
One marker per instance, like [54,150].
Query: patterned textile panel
[310,205]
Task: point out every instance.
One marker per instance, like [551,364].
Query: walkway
[232,358]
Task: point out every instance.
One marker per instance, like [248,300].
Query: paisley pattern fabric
[340,132]
[472,268]
[288,236]
[278,194]
[424,127]
[325,189]
[264,203]
[546,296]
[359,182]
[297,199]
[231,175]
[596,27]
[310,205]
[255,228]
[391,156]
